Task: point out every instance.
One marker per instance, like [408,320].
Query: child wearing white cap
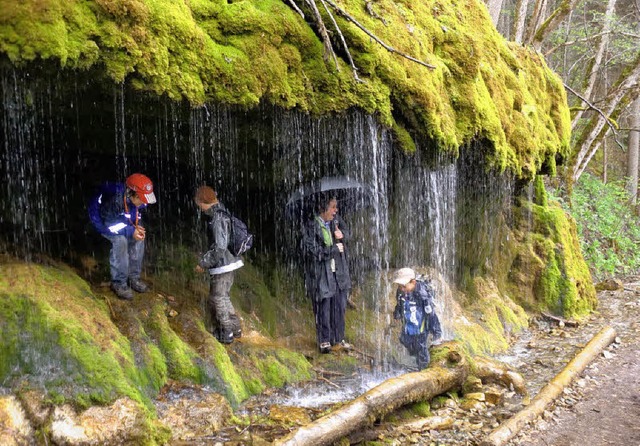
[415,307]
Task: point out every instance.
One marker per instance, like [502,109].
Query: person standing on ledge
[327,278]
[221,264]
[115,212]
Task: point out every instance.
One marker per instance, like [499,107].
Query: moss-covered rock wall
[87,348]
[245,52]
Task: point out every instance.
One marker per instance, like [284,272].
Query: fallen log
[489,370]
[559,320]
[440,377]
[507,430]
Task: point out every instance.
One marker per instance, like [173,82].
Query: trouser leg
[220,300]
[119,258]
[322,312]
[422,350]
[136,254]
[338,307]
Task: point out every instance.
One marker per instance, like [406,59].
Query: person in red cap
[115,213]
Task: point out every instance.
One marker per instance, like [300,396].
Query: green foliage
[609,230]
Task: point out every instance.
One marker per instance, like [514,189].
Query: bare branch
[609,122]
[293,5]
[370,34]
[573,42]
[328,47]
[374,14]
[344,43]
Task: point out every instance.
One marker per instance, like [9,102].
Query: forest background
[594,45]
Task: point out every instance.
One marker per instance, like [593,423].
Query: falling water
[63,136]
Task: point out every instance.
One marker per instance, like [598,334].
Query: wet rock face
[14,426]
[192,414]
[119,423]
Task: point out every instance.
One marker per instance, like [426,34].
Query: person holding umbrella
[327,278]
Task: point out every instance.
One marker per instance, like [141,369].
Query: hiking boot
[345,345]
[224,336]
[237,333]
[138,285]
[325,347]
[122,291]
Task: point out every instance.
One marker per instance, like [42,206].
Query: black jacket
[320,281]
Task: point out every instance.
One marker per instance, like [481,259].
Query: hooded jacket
[108,214]
[320,281]
[417,310]
[218,259]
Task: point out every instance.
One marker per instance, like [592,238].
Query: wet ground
[601,407]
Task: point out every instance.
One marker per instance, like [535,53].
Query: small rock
[172,313]
[609,285]
[607,354]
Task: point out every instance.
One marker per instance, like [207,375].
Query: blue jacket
[107,211]
[417,310]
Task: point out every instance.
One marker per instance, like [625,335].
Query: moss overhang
[243,52]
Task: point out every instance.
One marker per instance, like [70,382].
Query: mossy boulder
[245,52]
[547,271]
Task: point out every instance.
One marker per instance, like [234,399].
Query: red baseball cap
[142,186]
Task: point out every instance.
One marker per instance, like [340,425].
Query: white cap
[403,276]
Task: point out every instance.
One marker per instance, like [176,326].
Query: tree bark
[597,60]
[520,20]
[494,7]
[633,151]
[551,391]
[538,33]
[384,398]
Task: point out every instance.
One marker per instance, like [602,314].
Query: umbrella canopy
[351,195]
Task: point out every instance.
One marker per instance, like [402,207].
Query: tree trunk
[597,61]
[535,20]
[542,27]
[633,151]
[627,88]
[494,7]
[519,21]
[384,398]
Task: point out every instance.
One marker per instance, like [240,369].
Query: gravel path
[602,407]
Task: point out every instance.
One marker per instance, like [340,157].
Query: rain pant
[419,319]
[327,279]
[221,264]
[116,219]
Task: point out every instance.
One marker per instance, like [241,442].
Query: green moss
[241,53]
[181,357]
[50,321]
[548,271]
[497,315]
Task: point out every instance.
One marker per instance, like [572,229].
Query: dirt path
[602,407]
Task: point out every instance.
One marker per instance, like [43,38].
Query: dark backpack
[241,239]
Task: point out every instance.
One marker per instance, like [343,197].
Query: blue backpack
[241,239]
[413,317]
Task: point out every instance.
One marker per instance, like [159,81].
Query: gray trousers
[219,306]
[125,258]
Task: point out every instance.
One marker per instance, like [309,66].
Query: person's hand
[139,233]
[199,269]
[338,234]
[340,247]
